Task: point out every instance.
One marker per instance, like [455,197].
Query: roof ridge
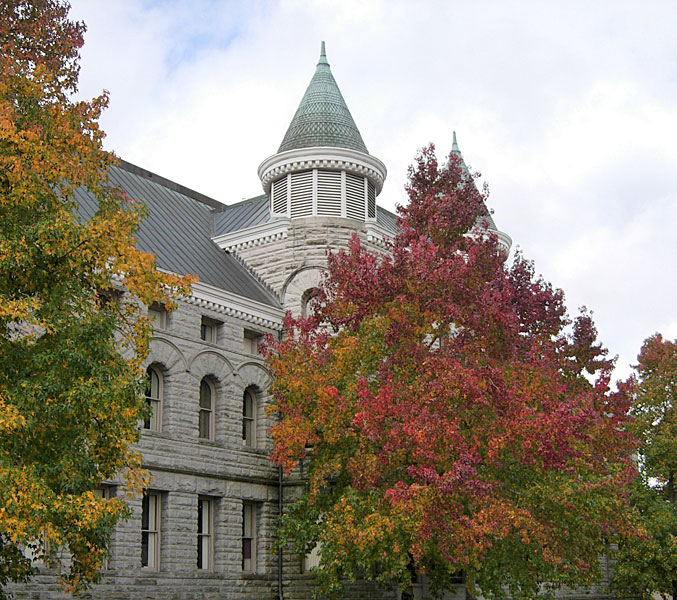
[227,207]
[169,184]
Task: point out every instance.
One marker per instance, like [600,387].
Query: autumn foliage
[71,342]
[452,420]
[646,564]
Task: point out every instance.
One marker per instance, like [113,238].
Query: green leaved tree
[71,342]
[647,563]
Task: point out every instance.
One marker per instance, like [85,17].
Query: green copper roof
[457,151]
[322,118]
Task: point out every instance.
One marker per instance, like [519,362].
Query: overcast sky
[569,110]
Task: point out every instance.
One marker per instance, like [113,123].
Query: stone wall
[293,265]
[185,468]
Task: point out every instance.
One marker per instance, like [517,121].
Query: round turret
[322,167]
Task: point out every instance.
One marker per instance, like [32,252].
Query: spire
[323,56]
[457,151]
[454,147]
[322,118]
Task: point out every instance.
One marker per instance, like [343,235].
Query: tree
[445,410]
[647,563]
[71,342]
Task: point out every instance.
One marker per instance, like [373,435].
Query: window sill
[209,442]
[207,574]
[251,576]
[259,451]
[153,433]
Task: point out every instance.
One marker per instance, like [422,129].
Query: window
[154,400]
[37,551]
[312,559]
[252,339]
[309,301]
[249,419]
[105,298]
[206,420]
[249,537]
[105,492]
[150,530]
[209,330]
[205,533]
[158,316]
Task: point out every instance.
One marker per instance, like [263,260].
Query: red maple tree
[452,420]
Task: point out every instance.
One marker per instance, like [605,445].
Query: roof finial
[454,145]
[323,56]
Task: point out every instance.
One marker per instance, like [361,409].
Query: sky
[568,109]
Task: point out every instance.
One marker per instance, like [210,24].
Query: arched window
[206,410]
[308,300]
[249,418]
[154,400]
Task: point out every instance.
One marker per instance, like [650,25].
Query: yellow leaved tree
[71,342]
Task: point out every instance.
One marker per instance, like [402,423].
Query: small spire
[454,146]
[323,56]
[457,151]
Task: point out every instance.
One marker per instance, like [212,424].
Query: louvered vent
[302,194]
[354,197]
[371,201]
[280,196]
[329,193]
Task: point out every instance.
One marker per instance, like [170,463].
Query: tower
[322,167]
[320,188]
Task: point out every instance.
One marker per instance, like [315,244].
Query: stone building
[204,529]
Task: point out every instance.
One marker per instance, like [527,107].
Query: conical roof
[322,118]
[457,151]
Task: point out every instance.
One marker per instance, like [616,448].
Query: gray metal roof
[178,231]
[386,219]
[322,118]
[242,215]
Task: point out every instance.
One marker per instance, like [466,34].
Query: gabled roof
[322,118]
[178,231]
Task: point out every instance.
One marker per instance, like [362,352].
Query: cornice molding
[505,241]
[216,299]
[323,157]
[378,234]
[264,233]
[233,305]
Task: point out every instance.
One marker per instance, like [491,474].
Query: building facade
[205,527]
